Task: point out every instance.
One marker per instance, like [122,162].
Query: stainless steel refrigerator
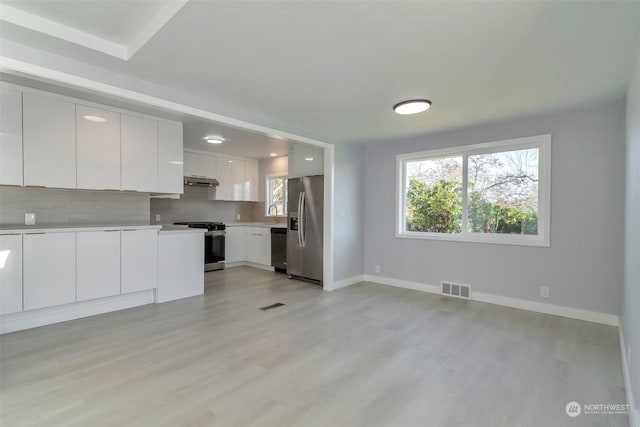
[305,208]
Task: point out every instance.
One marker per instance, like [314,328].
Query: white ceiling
[333,70]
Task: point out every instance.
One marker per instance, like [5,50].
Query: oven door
[214,250]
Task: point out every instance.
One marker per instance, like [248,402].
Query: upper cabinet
[251,180]
[305,160]
[224,191]
[170,160]
[10,137]
[199,165]
[98,148]
[49,139]
[237,179]
[139,145]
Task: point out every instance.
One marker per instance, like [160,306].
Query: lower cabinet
[10,274]
[251,244]
[98,264]
[234,248]
[181,272]
[138,260]
[49,269]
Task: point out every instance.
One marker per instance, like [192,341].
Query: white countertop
[25,229]
[172,229]
[257,224]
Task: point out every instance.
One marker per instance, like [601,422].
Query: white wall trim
[45,316]
[61,31]
[346,282]
[634,414]
[557,310]
[157,22]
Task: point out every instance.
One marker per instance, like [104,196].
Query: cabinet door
[265,249]
[49,127]
[10,274]
[170,163]
[139,145]
[223,175]
[234,244]
[191,164]
[237,179]
[10,137]
[251,245]
[98,148]
[139,260]
[49,269]
[98,264]
[251,181]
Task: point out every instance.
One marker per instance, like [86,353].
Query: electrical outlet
[238,217]
[544,291]
[377,268]
[157,217]
[29,219]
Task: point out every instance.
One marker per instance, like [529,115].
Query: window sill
[505,239]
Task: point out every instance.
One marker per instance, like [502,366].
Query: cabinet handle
[36,233]
[110,231]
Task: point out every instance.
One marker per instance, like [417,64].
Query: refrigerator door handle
[303,219]
[300,219]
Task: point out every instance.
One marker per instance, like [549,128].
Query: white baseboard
[557,310]
[45,316]
[346,282]
[634,414]
[248,264]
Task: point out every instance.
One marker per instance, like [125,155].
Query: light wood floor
[366,355]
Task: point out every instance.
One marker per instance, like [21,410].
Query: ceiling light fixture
[412,106]
[175,162]
[94,118]
[214,139]
[273,154]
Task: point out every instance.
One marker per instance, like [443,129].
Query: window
[276,194]
[496,192]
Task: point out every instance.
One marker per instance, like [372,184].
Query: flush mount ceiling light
[214,139]
[412,106]
[273,154]
[94,118]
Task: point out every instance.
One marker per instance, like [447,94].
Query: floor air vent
[456,290]
[269,307]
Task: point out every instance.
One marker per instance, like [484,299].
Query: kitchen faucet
[275,219]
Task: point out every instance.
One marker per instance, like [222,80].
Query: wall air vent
[456,290]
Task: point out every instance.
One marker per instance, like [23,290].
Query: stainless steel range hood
[200,182]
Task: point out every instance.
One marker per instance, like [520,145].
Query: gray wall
[631,306]
[583,266]
[194,206]
[73,207]
[348,211]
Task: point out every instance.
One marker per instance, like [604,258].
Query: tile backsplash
[193,205]
[73,207]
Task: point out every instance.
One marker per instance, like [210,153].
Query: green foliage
[436,208]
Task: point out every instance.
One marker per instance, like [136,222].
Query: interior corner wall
[631,296]
[348,211]
[583,267]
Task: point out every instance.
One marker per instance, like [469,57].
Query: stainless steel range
[213,243]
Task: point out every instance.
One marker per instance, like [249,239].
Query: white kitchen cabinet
[10,274]
[251,180]
[49,141]
[299,163]
[49,265]
[258,245]
[170,158]
[181,274]
[199,165]
[10,137]
[98,148]
[138,260]
[98,264]
[224,191]
[237,180]
[139,152]
[235,244]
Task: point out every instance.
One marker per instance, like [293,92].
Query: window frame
[268,194]
[541,142]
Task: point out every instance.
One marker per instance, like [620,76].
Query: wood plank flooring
[365,355]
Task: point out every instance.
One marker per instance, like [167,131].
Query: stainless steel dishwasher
[279,249]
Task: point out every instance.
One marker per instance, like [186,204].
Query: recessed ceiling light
[175,162]
[230,161]
[309,159]
[94,118]
[213,139]
[273,154]
[412,106]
